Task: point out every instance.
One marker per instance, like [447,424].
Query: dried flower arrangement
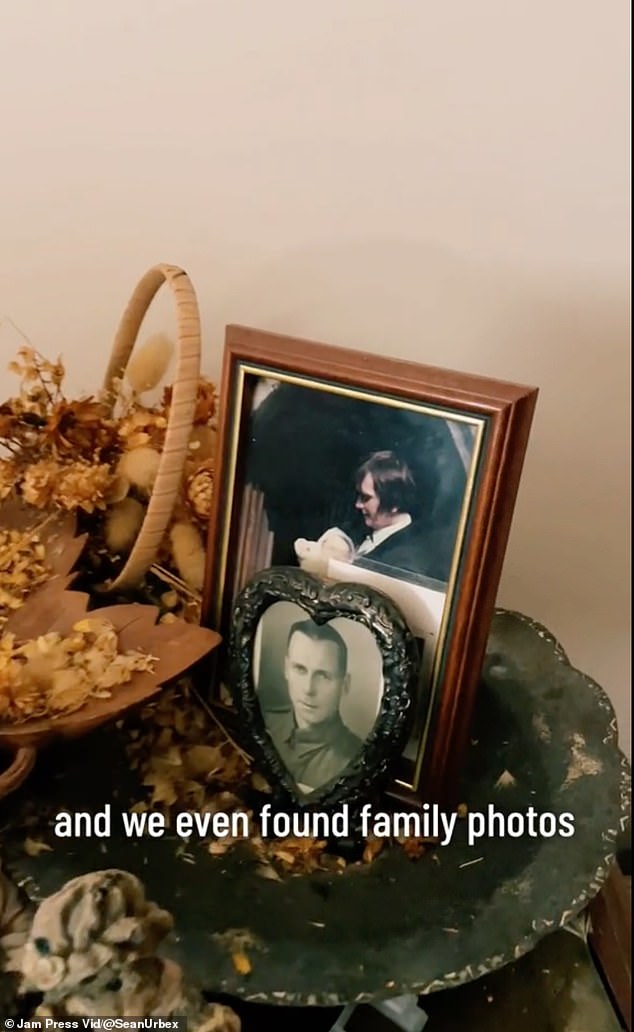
[97,457]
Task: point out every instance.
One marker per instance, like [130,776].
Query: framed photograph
[376,471]
[323,677]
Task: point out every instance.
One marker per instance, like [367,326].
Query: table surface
[554,988]
[395,926]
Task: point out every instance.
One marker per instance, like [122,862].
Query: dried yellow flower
[140,427]
[8,474]
[200,489]
[39,483]
[81,485]
[22,569]
[80,428]
[55,674]
[206,402]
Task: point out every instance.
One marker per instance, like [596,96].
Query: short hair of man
[393,482]
[322,632]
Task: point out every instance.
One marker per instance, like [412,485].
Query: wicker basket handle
[182,408]
[19,769]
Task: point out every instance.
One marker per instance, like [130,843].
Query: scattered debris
[241,963]
[372,849]
[188,763]
[33,847]
[541,728]
[237,941]
[505,780]
[581,764]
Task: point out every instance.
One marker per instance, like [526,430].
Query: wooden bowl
[63,547]
[58,533]
[176,646]
[20,766]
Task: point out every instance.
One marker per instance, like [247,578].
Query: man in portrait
[398,536]
[387,500]
[310,736]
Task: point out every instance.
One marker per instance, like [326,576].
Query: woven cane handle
[182,408]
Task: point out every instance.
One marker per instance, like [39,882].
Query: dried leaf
[33,847]
[284,856]
[412,847]
[268,872]
[164,791]
[218,847]
[259,783]
[241,963]
[372,849]
[177,720]
[201,760]
[505,780]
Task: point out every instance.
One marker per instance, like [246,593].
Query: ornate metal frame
[324,601]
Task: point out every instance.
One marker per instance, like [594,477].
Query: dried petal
[372,849]
[241,962]
[33,847]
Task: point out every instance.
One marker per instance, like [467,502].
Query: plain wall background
[442,182]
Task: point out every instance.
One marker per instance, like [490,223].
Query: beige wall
[443,181]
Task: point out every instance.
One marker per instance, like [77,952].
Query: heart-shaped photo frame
[323,676]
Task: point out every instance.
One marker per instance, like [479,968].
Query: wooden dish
[20,766]
[177,646]
[58,534]
[56,531]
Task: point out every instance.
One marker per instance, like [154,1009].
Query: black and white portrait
[319,688]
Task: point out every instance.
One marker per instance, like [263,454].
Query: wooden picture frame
[297,420]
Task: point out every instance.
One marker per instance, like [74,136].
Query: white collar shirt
[377,538]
